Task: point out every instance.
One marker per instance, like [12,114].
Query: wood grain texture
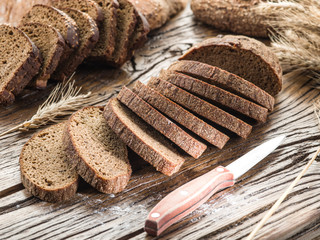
[230,214]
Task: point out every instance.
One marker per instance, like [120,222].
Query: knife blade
[191,195]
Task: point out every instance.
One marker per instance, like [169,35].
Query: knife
[191,195]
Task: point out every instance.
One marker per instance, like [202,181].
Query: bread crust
[49,195]
[181,115]
[86,171]
[25,72]
[148,152]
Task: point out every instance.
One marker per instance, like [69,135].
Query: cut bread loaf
[226,80]
[20,61]
[108,30]
[161,123]
[181,115]
[88,37]
[237,16]
[243,56]
[51,45]
[59,20]
[218,96]
[143,139]
[201,107]
[87,6]
[45,171]
[96,152]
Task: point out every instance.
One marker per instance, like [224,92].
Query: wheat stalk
[62,101]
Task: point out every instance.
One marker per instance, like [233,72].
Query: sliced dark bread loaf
[219,96]
[161,123]
[88,37]
[108,30]
[243,56]
[226,80]
[45,171]
[20,61]
[51,45]
[148,143]
[180,115]
[201,107]
[96,152]
[87,6]
[59,20]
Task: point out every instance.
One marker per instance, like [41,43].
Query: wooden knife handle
[186,198]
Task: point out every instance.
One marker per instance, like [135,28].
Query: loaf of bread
[143,139]
[20,61]
[45,171]
[95,151]
[245,57]
[51,45]
[237,16]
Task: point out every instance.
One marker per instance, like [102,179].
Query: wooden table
[230,214]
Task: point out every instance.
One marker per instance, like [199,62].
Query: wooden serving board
[230,214]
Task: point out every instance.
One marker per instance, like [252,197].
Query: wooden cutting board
[230,214]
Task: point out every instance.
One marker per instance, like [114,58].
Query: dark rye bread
[201,107]
[108,29]
[237,16]
[20,61]
[161,123]
[226,80]
[243,56]
[87,6]
[219,96]
[45,171]
[59,20]
[180,115]
[51,45]
[148,143]
[96,152]
[88,37]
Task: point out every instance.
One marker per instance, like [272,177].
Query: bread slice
[45,171]
[95,151]
[51,45]
[218,96]
[108,29]
[88,37]
[143,139]
[61,21]
[180,115]
[87,6]
[161,123]
[232,16]
[243,56]
[19,62]
[226,80]
[201,107]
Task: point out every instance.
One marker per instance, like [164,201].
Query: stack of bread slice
[198,102]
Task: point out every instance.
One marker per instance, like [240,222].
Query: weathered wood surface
[230,214]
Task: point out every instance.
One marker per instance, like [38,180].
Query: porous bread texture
[88,37]
[51,45]
[201,107]
[87,6]
[225,80]
[143,139]
[45,171]
[96,152]
[180,115]
[161,123]
[243,56]
[20,61]
[218,96]
[107,40]
[237,16]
